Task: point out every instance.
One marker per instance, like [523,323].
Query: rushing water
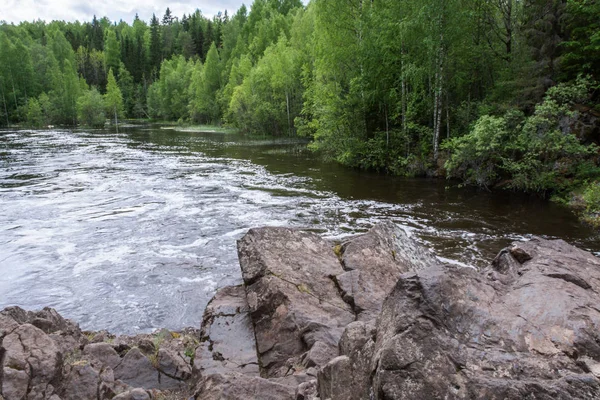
[136,231]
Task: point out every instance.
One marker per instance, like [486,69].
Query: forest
[494,93]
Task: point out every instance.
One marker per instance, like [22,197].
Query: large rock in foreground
[293,296]
[529,327]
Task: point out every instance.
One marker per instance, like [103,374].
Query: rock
[173,365]
[104,353]
[526,327]
[335,379]
[292,295]
[138,371]
[31,362]
[81,382]
[228,342]
[135,394]
[307,391]
[319,355]
[374,262]
[234,386]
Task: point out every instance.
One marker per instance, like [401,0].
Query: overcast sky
[71,10]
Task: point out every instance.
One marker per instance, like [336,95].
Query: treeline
[489,91]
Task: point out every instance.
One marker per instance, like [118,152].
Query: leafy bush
[534,154]
[591,198]
[90,109]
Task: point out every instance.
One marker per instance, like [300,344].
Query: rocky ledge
[376,317]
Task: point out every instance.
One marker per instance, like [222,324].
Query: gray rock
[291,291]
[525,328]
[31,362]
[228,342]
[374,262]
[335,380]
[319,355]
[104,353]
[138,371]
[234,386]
[307,390]
[171,364]
[135,394]
[81,382]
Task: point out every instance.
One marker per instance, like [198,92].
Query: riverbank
[377,315]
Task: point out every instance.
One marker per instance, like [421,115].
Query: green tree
[90,109]
[113,99]
[112,52]
[35,116]
[204,106]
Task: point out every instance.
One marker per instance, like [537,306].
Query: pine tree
[155,47]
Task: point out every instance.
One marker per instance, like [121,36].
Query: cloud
[70,10]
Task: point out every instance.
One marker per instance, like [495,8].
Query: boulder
[104,353]
[139,371]
[227,335]
[293,298]
[527,327]
[373,262]
[31,364]
[234,386]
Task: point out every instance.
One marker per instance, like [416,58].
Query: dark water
[136,231]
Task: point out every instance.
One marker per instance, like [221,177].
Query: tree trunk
[5,109]
[447,115]
[116,121]
[387,128]
[287,100]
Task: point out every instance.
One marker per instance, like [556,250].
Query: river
[135,231]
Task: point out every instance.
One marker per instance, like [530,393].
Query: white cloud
[71,10]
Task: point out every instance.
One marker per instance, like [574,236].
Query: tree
[113,99]
[90,109]
[35,116]
[205,84]
[112,52]
[155,46]
[167,18]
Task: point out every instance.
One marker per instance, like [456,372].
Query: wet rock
[447,333]
[234,386]
[292,294]
[374,262]
[228,342]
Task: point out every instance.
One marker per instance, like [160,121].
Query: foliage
[35,116]
[591,198]
[535,154]
[485,88]
[90,109]
[113,99]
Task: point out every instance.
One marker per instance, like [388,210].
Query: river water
[135,231]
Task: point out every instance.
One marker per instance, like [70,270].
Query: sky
[70,10]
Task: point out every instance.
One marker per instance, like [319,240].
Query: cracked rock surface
[377,317]
[527,327]
[44,356]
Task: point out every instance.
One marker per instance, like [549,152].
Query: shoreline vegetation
[498,94]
